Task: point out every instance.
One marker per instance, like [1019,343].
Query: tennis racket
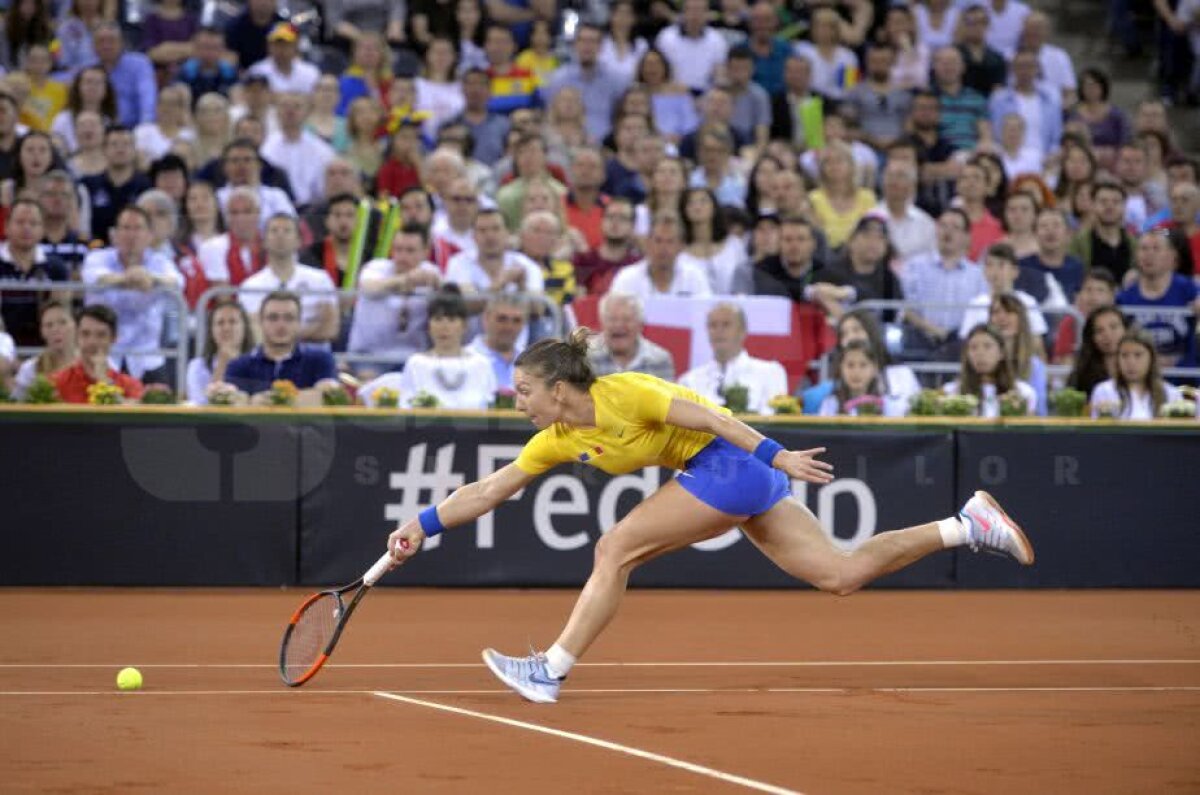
[319,622]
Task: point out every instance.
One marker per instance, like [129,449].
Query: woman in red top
[402,168]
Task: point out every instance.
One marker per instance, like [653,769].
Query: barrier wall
[164,496]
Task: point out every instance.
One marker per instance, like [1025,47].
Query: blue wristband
[766,451]
[430,522]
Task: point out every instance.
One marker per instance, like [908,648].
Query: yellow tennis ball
[129,679]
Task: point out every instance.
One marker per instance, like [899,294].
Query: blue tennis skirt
[732,480]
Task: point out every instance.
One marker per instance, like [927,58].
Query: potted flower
[1178,409]
[864,406]
[335,395]
[102,394]
[1107,409]
[737,398]
[424,400]
[283,393]
[784,404]
[220,393]
[41,391]
[959,406]
[1068,402]
[387,398]
[505,399]
[1013,404]
[158,395]
[925,403]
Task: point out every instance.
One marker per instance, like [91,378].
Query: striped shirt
[513,89]
[926,281]
[960,116]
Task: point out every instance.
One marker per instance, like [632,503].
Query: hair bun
[577,340]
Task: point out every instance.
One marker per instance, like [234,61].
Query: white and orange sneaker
[990,528]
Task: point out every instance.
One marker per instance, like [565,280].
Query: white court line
[626,691]
[679,664]
[690,767]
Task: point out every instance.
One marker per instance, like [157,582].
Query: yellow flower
[104,394]
[784,404]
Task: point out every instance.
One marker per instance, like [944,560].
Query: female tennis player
[730,475]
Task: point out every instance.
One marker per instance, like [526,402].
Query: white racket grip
[379,569]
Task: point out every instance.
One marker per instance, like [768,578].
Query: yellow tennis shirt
[631,429]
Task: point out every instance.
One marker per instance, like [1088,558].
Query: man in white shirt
[1007,19]
[283,66]
[453,230]
[1057,69]
[233,257]
[694,50]
[911,229]
[319,316]
[493,267]
[621,347]
[731,365]
[241,167]
[661,272]
[299,152]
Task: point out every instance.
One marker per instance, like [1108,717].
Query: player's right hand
[405,541]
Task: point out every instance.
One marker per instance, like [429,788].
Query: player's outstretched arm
[799,464]
[466,504]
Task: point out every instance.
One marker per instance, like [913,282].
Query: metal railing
[178,353]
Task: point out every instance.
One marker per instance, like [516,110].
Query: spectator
[717,167]
[530,166]
[946,281]
[764,237]
[1020,216]
[322,119]
[972,194]
[880,106]
[1009,316]
[1006,21]
[622,177]
[1108,125]
[370,72]
[1131,170]
[663,272]
[331,251]
[595,269]
[23,260]
[1107,243]
[1159,286]
[119,185]
[910,69]
[233,257]
[35,157]
[672,105]
[1137,390]
[932,152]
[963,111]
[761,194]
[585,202]
[257,104]
[213,127]
[75,30]
[283,68]
[487,129]
[769,51]
[493,267]
[1057,70]
[206,71]
[511,86]
[298,152]
[126,278]
[937,22]
[200,219]
[167,33]
[88,159]
[1051,259]
[711,249]
[1039,106]
[622,48]
[796,272]
[504,321]
[751,104]
[172,123]
[362,146]
[242,168]
[170,174]
[985,69]
[58,197]
[1097,359]
[986,373]
[788,104]
[228,337]
[899,382]
[439,92]
[281,356]
[246,34]
[57,328]
[863,267]
[47,96]
[442,168]
[130,74]
[843,130]
[348,20]
[695,51]
[910,229]
[540,235]
[416,206]
[1016,154]
[390,318]
[834,67]
[96,332]
[837,203]
[592,78]
[457,376]
[732,366]
[163,212]
[858,375]
[453,231]
[622,348]
[1001,270]
[1184,212]
[1099,290]
[319,319]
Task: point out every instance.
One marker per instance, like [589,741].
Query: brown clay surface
[889,728]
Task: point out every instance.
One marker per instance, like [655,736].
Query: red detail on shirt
[72,383]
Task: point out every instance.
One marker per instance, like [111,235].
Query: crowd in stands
[410,191]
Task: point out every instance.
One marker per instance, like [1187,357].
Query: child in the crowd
[898,380]
[539,57]
[1099,289]
[402,168]
[859,380]
[46,96]
[1024,350]
[1001,269]
[1138,390]
[986,373]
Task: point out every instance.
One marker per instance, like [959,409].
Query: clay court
[690,691]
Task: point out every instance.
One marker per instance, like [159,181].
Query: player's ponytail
[555,360]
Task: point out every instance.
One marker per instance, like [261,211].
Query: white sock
[953,532]
[559,661]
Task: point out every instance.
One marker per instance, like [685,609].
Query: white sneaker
[990,528]
[526,675]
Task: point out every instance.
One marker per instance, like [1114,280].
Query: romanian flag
[595,451]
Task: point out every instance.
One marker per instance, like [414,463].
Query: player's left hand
[405,541]
[803,465]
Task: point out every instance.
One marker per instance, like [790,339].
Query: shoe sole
[528,695]
[1022,539]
